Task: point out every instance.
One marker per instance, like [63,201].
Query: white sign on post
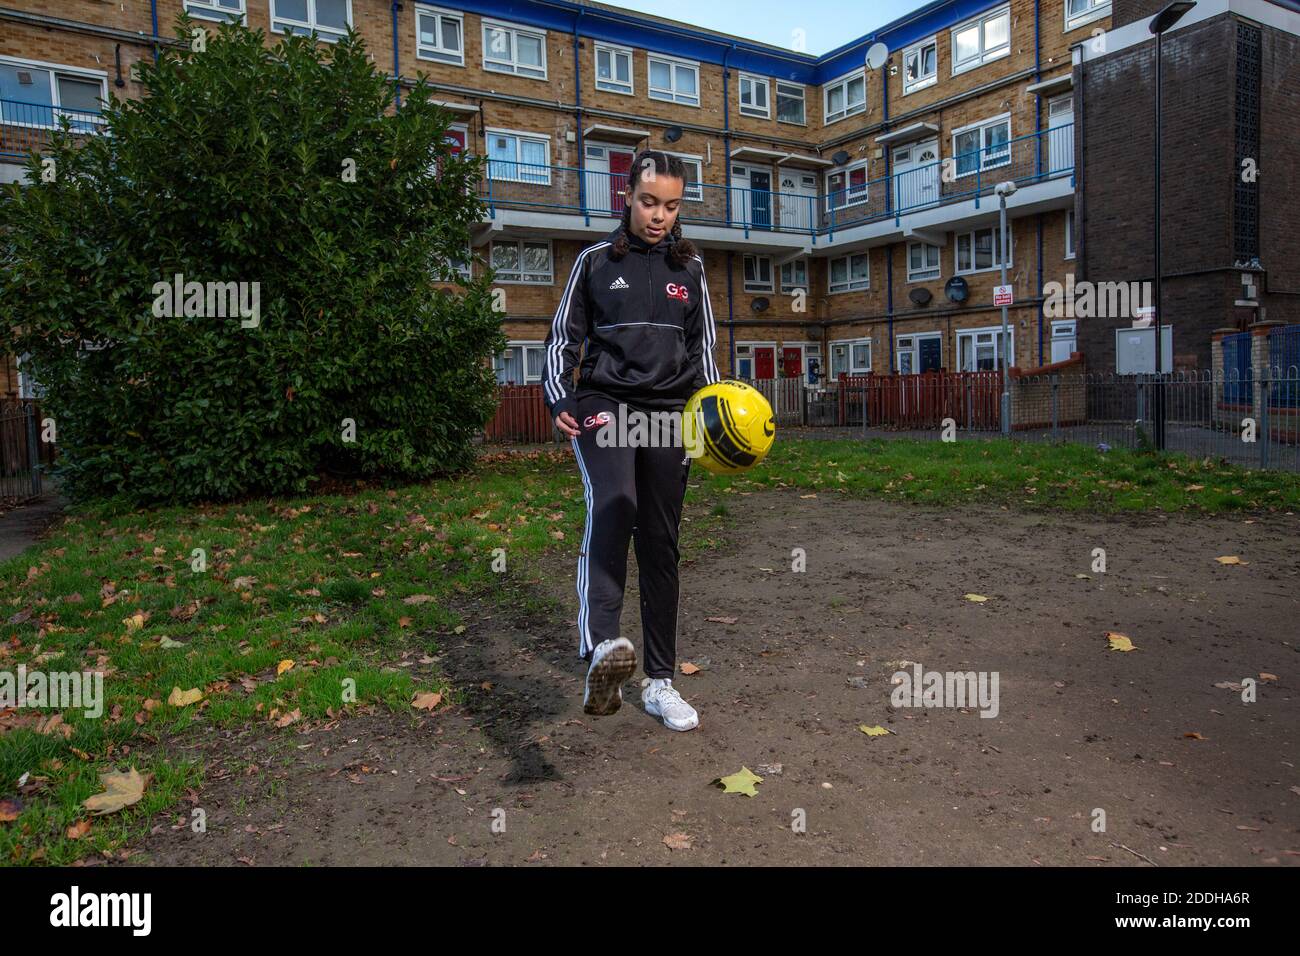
[1002,295]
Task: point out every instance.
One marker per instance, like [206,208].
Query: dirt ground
[809,660]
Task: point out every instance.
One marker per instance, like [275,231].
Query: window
[329,18]
[216,9]
[850,273]
[520,363]
[847,187]
[975,250]
[850,356]
[922,261]
[677,81]
[38,95]
[921,66]
[511,49]
[978,349]
[982,146]
[790,103]
[1069,233]
[922,352]
[758,273]
[613,69]
[753,96]
[518,157]
[694,191]
[439,35]
[460,265]
[844,97]
[978,41]
[794,275]
[522,260]
[1079,12]
[744,361]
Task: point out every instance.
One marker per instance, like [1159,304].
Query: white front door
[1060,134]
[1064,339]
[798,196]
[916,175]
[605,174]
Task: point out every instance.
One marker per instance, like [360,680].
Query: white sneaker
[662,700]
[612,663]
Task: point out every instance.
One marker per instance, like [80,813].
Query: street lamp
[1003,190]
[1161,22]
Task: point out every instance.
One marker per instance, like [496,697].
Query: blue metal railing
[1238,374]
[1048,154]
[27,126]
[1284,360]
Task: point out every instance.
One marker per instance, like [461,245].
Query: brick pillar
[1218,416]
[1259,333]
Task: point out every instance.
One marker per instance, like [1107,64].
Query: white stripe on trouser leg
[584,571]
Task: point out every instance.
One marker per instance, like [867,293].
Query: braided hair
[681,250]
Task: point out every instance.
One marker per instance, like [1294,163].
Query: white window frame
[757,284]
[789,289]
[791,91]
[849,198]
[926,80]
[550,251]
[525,346]
[984,55]
[849,284]
[1096,10]
[1069,234]
[913,348]
[995,331]
[281,24]
[854,367]
[694,192]
[671,95]
[517,175]
[613,86]
[970,234]
[755,82]
[924,275]
[465,273]
[450,57]
[210,10]
[984,156]
[57,109]
[512,67]
[843,81]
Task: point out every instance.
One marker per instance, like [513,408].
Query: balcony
[27,126]
[566,202]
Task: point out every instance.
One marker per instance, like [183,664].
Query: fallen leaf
[740,782]
[9,810]
[874,731]
[1227,558]
[977,598]
[290,718]
[183,698]
[287,665]
[426,701]
[1193,735]
[1262,676]
[425,598]
[78,830]
[1120,642]
[688,668]
[722,620]
[677,841]
[120,790]
[167,643]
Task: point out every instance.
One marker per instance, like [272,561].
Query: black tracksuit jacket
[647,324]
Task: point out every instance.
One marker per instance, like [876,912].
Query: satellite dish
[919,297]
[877,54]
[956,289]
[840,157]
[673,133]
[760,304]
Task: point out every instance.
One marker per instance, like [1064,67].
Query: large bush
[235,166]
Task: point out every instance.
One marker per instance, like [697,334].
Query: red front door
[764,363]
[620,164]
[792,361]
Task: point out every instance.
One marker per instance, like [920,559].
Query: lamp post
[1004,190]
[1160,23]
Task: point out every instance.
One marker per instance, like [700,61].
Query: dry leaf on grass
[120,790]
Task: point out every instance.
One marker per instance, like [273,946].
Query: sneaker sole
[606,680]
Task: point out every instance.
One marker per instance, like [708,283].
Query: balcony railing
[1040,156]
[27,126]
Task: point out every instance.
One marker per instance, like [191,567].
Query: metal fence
[21,451]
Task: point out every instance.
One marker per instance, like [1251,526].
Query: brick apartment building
[870,188]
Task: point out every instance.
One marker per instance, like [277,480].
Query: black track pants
[630,492]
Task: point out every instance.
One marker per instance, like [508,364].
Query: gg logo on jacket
[677,291]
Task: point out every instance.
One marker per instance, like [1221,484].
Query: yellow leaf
[284,665]
[135,621]
[874,731]
[1231,559]
[183,698]
[426,701]
[120,790]
[977,598]
[741,782]
[1120,642]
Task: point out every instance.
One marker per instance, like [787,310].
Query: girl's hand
[567,424]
